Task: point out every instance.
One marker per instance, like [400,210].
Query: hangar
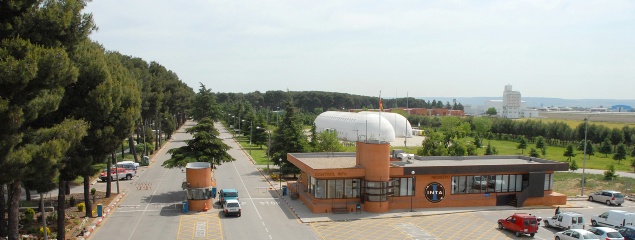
[364,126]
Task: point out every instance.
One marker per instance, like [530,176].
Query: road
[156,213]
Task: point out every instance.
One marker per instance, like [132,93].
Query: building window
[548,181]
[334,188]
[376,191]
[198,193]
[403,186]
[479,184]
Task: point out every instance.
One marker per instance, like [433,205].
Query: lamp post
[251,134]
[280,174]
[412,193]
[586,128]
[268,148]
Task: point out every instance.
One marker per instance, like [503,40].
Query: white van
[127,166]
[566,220]
[614,219]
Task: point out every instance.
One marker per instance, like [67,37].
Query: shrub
[72,201]
[610,173]
[81,206]
[51,217]
[93,191]
[48,231]
[29,213]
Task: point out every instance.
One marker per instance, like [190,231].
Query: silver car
[608,197]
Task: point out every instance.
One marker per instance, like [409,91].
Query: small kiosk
[199,186]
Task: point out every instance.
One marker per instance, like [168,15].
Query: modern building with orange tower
[372,180]
[199,186]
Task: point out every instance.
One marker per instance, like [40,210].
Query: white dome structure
[399,123]
[355,126]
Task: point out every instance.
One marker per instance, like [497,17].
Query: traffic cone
[205,208]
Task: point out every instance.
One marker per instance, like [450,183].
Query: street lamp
[268,147]
[280,173]
[586,128]
[412,193]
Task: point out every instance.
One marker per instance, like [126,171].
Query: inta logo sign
[434,192]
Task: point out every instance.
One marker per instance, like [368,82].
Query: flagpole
[381,109]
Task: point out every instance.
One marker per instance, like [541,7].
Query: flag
[381,106]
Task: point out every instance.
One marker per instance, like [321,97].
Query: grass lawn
[569,183]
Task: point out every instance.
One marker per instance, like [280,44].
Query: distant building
[511,103]
[621,108]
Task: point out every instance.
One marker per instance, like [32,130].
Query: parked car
[606,233]
[520,224]
[607,196]
[227,194]
[628,232]
[614,219]
[566,220]
[232,207]
[121,172]
[576,234]
[136,164]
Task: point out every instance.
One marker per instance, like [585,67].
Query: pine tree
[522,144]
[205,146]
[569,152]
[573,166]
[288,138]
[620,153]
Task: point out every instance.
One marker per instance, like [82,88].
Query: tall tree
[327,141]
[205,105]
[606,147]
[620,153]
[205,146]
[288,138]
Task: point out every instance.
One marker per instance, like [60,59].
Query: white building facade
[364,125]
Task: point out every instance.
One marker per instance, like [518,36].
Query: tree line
[67,103]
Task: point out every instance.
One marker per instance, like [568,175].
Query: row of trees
[66,103]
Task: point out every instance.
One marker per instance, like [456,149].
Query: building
[511,103]
[621,108]
[370,180]
[351,126]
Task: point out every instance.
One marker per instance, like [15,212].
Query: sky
[578,49]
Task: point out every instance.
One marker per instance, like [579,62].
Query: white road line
[142,213]
[245,186]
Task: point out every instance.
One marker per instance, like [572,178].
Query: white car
[578,234]
[232,207]
[607,233]
[607,196]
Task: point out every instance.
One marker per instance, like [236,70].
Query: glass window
[330,189]
[320,189]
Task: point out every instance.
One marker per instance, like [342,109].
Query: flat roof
[439,164]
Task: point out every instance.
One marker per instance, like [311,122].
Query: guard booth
[199,186]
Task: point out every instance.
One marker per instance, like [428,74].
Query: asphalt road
[156,212]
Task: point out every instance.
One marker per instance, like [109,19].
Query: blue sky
[577,49]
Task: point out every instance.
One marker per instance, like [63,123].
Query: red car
[520,223]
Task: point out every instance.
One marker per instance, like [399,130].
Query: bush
[81,206]
[48,231]
[93,191]
[72,201]
[51,217]
[610,173]
[29,213]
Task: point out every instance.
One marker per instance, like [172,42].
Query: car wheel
[591,199]
[594,223]
[128,177]
[557,238]
[239,215]
[532,234]
[547,223]
[608,203]
[619,204]
[518,234]
[500,226]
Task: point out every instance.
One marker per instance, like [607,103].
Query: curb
[106,211]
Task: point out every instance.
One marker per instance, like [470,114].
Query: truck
[227,194]
[566,220]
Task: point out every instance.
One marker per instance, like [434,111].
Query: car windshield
[614,235]
[618,195]
[230,194]
[232,204]
[590,236]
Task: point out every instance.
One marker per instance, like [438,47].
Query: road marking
[245,186]
[146,208]
[200,230]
